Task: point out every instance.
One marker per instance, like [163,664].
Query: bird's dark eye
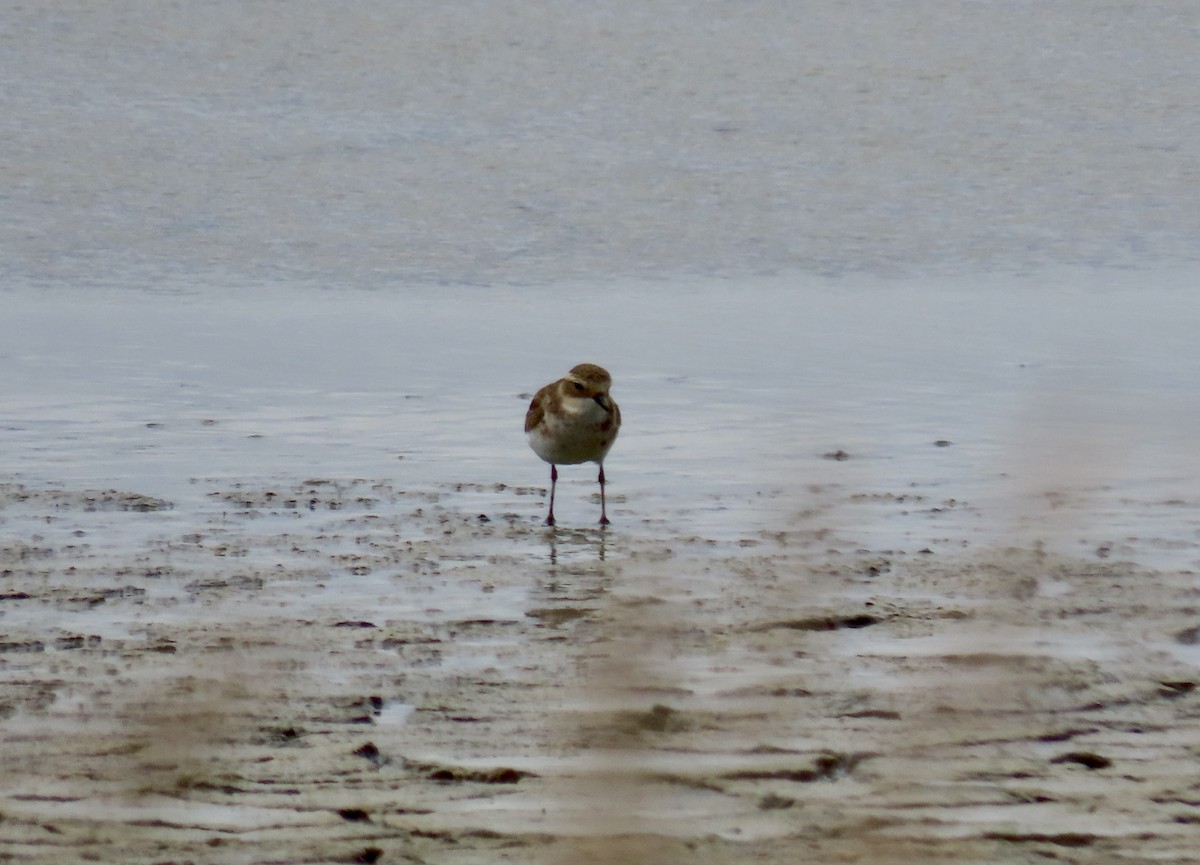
[578,386]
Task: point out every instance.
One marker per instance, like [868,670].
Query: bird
[574,420]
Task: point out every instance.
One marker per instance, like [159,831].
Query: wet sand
[347,671]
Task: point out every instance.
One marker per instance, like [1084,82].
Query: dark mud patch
[1087,759]
[84,500]
[1062,839]
[461,775]
[827,767]
[833,622]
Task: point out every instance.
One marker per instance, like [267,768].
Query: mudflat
[342,670]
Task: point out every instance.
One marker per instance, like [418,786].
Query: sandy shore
[343,671]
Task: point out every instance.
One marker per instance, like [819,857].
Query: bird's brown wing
[537,408]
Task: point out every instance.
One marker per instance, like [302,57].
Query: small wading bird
[572,421]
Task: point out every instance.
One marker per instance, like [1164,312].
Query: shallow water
[368,144]
[730,423]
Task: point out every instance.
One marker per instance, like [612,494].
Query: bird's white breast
[574,434]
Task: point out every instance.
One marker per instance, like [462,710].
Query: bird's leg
[553,484]
[603,509]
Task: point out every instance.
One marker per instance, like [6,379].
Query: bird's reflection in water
[575,545]
[576,570]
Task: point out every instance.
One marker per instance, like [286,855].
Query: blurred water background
[378,144]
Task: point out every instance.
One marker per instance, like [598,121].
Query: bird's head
[588,381]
